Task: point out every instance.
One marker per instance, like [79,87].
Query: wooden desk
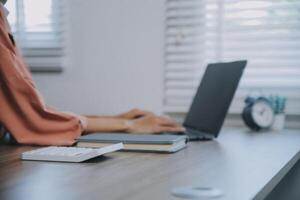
[241,164]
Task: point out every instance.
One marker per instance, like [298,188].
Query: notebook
[135,142]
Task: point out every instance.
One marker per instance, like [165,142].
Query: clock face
[262,114]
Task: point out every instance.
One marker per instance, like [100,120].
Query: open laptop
[212,100]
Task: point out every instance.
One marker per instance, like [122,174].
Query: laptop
[212,100]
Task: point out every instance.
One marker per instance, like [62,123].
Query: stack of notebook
[135,142]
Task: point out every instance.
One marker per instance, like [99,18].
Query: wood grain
[239,163]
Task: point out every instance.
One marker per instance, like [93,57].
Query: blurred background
[105,57]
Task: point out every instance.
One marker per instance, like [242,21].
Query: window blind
[265,32]
[37,27]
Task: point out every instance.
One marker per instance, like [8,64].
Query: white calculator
[68,154]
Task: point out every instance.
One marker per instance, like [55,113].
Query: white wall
[116,58]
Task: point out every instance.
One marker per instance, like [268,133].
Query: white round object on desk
[197,192]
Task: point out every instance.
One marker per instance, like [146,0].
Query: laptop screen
[213,98]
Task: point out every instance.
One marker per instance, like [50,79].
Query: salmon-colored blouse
[22,110]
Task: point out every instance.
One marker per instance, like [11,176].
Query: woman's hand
[153,124]
[134,114]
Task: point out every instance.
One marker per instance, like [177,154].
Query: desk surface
[243,165]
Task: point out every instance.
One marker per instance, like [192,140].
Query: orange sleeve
[22,110]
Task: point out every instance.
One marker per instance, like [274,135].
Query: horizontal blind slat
[39,31]
[266,33]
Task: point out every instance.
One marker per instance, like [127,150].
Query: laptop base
[195,135]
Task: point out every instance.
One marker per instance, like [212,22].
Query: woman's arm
[132,114]
[105,124]
[134,121]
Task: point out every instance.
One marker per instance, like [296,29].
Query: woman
[30,121]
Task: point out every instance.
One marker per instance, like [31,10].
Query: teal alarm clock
[258,113]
